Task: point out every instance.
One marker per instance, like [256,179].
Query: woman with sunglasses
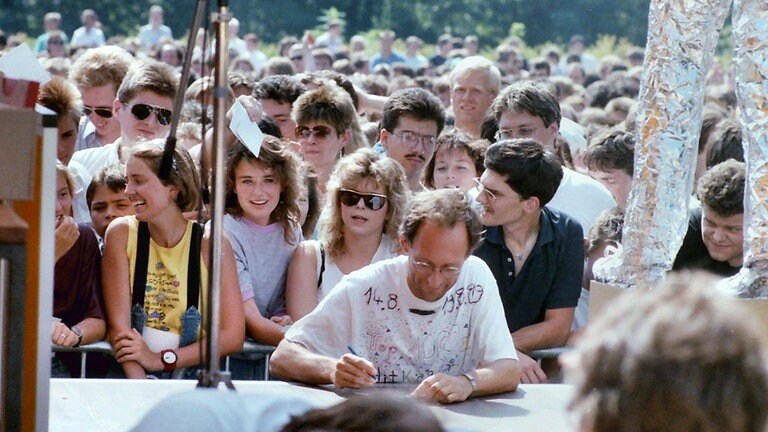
[156,271]
[324,118]
[364,205]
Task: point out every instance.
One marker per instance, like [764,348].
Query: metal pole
[212,375]
[5,283]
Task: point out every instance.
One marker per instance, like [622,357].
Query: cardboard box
[602,296]
[18,143]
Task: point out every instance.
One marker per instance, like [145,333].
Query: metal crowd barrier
[549,353]
[249,347]
[103,347]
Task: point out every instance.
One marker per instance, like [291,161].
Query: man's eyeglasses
[350,198]
[319,132]
[411,139]
[506,134]
[101,112]
[55,42]
[426,269]
[142,111]
[482,189]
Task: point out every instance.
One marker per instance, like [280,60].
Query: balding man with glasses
[429,318]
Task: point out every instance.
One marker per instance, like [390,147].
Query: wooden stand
[26,246]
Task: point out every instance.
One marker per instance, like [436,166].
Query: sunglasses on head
[319,132]
[142,111]
[101,112]
[350,198]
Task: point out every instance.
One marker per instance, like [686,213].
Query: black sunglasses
[101,112]
[350,198]
[142,111]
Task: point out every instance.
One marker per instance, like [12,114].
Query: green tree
[543,20]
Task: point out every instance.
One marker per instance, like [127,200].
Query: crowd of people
[408,218]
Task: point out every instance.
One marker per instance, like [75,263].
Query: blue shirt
[377,59]
[551,275]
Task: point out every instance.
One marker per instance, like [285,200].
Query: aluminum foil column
[750,35]
[682,37]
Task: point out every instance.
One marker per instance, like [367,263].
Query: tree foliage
[490,20]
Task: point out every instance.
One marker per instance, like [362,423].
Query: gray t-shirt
[262,256]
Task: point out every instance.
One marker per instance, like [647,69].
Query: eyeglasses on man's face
[424,268]
[483,190]
[412,139]
[506,134]
[142,111]
[101,112]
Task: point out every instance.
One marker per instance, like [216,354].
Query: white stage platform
[118,405]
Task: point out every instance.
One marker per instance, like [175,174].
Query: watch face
[169,357]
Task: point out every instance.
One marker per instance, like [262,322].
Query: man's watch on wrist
[472,381]
[76,330]
[169,358]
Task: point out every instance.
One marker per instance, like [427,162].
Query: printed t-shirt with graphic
[408,339]
[165,298]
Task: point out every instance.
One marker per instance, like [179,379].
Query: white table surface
[118,405]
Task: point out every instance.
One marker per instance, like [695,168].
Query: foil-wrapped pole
[750,35]
[682,37]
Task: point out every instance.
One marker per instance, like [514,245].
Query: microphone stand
[212,375]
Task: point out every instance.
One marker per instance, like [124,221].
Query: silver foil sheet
[682,37]
[750,36]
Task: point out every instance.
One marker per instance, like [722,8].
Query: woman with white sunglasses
[365,200]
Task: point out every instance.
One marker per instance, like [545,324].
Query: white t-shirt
[581,313]
[86,164]
[582,198]
[373,311]
[97,158]
[89,38]
[82,179]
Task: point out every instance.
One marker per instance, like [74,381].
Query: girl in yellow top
[155,327]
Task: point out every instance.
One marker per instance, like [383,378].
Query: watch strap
[76,330]
[472,381]
[169,366]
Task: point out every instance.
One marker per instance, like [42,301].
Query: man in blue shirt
[386,55]
[535,253]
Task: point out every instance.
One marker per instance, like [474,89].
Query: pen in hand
[352,350]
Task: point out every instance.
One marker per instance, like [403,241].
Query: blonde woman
[364,205]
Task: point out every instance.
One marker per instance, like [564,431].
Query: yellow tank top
[165,299]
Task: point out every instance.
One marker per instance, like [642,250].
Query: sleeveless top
[166,318]
[330,272]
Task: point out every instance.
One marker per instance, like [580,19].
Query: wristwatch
[472,381]
[76,330]
[169,358]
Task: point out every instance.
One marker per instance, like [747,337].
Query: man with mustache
[412,120]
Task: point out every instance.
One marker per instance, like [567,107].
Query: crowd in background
[351,123]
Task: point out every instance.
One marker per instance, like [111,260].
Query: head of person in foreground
[678,357]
